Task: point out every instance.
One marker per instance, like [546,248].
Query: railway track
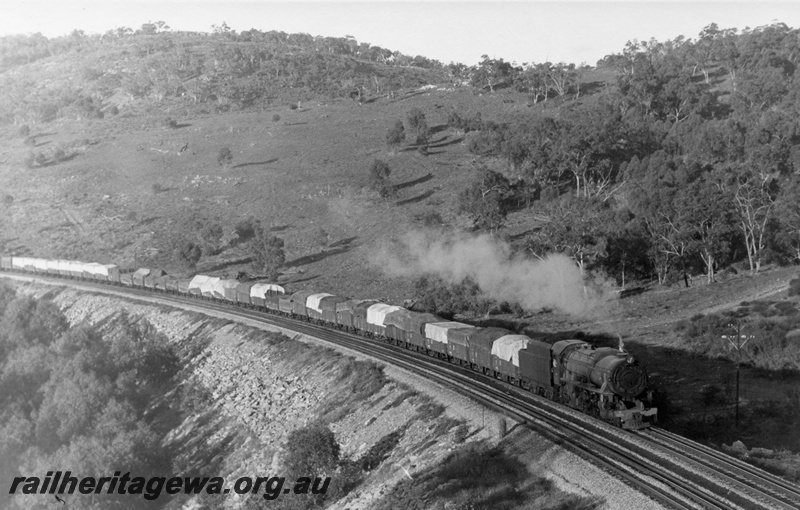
[672,470]
[773,490]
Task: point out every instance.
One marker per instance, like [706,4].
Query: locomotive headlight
[630,360]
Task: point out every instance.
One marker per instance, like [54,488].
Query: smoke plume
[554,282]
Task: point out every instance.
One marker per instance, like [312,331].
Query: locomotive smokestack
[621,346]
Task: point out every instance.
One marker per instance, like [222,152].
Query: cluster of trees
[229,68]
[688,166]
[76,399]
[539,81]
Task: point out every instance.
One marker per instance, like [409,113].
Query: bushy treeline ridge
[687,167]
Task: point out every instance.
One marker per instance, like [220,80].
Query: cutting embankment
[250,401]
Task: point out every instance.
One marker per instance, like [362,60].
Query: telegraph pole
[738,327]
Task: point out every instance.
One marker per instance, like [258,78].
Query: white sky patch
[531,31]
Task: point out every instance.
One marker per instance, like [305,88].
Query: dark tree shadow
[147,221]
[445,144]
[255,163]
[420,180]
[300,280]
[279,228]
[295,123]
[433,153]
[316,257]
[418,198]
[342,242]
[42,143]
[438,129]
[62,160]
[408,96]
[181,126]
[225,265]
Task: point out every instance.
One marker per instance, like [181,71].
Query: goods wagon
[152,277]
[436,335]
[196,284]
[397,323]
[328,305]
[313,308]
[219,288]
[458,343]
[352,314]
[375,317]
[243,293]
[505,355]
[480,346]
[299,300]
[40,265]
[139,275]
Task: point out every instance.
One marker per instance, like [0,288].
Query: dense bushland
[687,167]
[77,399]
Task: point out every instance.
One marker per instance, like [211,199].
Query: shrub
[417,125]
[8,199]
[293,106]
[224,157]
[311,451]
[113,110]
[267,253]
[157,188]
[379,180]
[30,141]
[211,236]
[276,118]
[484,143]
[396,134]
[246,229]
[188,254]
[24,131]
[170,123]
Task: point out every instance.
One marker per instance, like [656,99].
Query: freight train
[607,383]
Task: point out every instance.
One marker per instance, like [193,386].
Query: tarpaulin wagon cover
[437,331]
[195,285]
[260,290]
[377,313]
[507,347]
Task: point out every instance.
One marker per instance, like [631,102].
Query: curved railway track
[676,472]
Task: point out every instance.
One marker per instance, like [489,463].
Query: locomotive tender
[607,383]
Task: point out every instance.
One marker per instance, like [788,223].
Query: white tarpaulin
[260,290]
[208,286]
[220,285]
[21,262]
[93,268]
[141,272]
[313,301]
[198,281]
[377,313]
[63,265]
[52,266]
[507,347]
[437,331]
[40,264]
[75,266]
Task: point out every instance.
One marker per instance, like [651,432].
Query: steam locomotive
[606,383]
